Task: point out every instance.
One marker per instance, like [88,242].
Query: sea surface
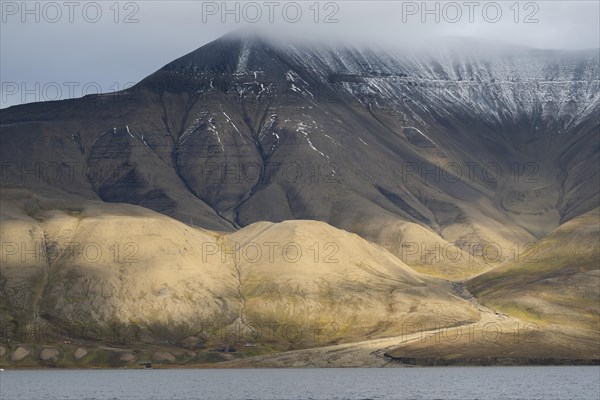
[461,383]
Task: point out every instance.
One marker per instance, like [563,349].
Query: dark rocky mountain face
[461,143]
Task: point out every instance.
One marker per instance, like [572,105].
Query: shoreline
[494,362]
[396,362]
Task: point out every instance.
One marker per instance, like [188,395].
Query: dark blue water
[494,383]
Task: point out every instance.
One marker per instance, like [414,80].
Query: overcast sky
[64,49]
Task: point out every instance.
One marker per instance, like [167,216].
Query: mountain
[88,273]
[448,162]
[555,281]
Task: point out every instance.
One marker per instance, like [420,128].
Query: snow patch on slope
[302,129]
